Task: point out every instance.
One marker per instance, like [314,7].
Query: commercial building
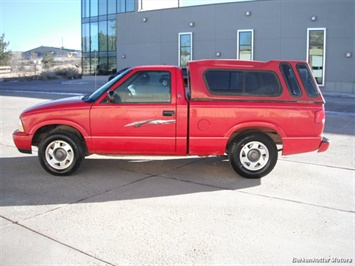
[41,51]
[122,33]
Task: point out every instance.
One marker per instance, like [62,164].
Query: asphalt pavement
[175,210]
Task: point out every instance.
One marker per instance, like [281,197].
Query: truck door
[138,117]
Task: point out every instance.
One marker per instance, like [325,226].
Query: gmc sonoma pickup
[247,110]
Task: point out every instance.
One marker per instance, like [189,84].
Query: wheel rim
[254,156]
[59,155]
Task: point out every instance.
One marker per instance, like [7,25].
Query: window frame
[252,43]
[136,76]
[179,47]
[312,94]
[322,84]
[288,82]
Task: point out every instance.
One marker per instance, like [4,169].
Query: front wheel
[60,153]
[253,155]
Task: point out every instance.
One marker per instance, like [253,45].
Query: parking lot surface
[177,210]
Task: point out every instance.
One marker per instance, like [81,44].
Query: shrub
[48,75]
[69,73]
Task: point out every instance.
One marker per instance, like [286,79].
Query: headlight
[20,126]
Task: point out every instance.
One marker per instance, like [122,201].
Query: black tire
[61,153]
[253,154]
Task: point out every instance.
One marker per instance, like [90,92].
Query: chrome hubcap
[254,156]
[59,155]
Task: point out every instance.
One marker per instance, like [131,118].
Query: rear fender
[264,127]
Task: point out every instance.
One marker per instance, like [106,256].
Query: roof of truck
[237,63]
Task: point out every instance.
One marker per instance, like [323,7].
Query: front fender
[84,132]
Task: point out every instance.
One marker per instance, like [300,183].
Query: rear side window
[307,80]
[290,79]
[255,83]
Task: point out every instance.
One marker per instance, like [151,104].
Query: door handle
[168,113]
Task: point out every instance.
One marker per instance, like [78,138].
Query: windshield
[90,98]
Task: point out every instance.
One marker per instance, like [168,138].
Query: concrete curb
[338,94]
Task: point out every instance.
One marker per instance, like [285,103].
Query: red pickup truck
[247,110]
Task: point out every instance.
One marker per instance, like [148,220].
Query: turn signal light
[20,126]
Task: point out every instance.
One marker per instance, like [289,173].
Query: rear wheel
[253,155]
[61,153]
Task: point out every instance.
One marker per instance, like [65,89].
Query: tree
[48,60]
[5,56]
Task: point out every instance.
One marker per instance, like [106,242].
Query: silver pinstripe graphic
[150,122]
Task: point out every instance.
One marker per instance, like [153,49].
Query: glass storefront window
[111,35]
[125,6]
[102,66]
[316,42]
[245,44]
[94,8]
[86,65]
[129,5]
[85,38]
[94,39]
[112,62]
[94,65]
[99,34]
[121,7]
[102,7]
[103,36]
[85,8]
[111,6]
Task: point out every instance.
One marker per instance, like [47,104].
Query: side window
[230,82]
[145,87]
[245,44]
[316,52]
[290,78]
[185,48]
[255,83]
[307,80]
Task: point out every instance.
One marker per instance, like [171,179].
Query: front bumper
[22,141]
[324,145]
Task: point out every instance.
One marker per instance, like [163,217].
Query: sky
[28,24]
[161,4]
